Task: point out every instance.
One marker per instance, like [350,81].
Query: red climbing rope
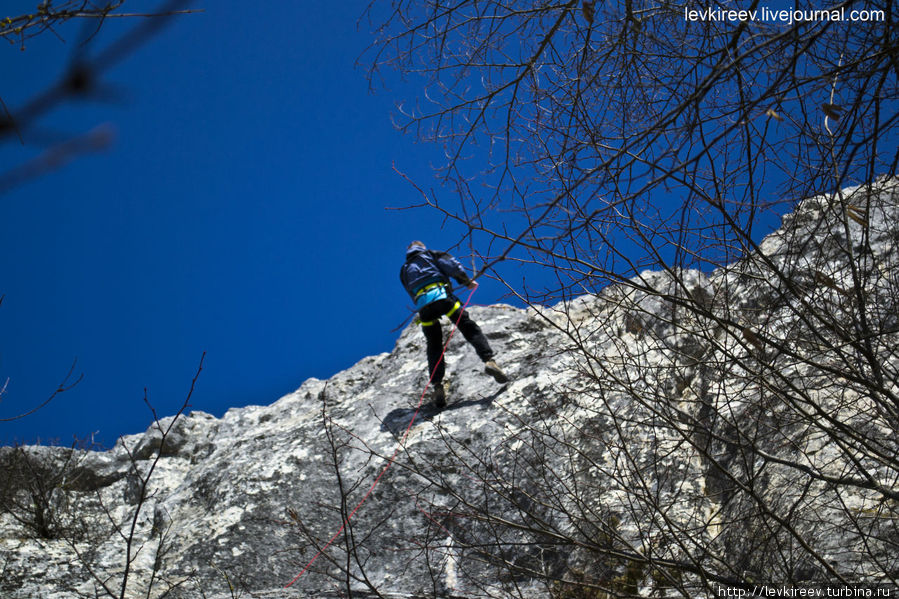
[395,452]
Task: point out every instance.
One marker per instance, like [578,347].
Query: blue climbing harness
[430,294]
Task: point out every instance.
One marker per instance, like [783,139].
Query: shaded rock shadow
[397,421]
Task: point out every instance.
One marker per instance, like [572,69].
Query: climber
[426,277]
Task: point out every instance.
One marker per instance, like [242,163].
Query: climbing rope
[395,452]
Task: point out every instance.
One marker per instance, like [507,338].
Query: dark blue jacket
[424,267]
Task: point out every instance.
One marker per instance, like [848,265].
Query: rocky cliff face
[685,431]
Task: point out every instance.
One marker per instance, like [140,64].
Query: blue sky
[240,212]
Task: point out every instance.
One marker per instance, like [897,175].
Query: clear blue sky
[240,212]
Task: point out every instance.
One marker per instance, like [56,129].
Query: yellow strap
[427,288]
[427,323]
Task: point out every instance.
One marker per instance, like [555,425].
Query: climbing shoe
[439,396]
[493,370]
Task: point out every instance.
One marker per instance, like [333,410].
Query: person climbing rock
[426,277]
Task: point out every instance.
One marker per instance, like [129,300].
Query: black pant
[434,334]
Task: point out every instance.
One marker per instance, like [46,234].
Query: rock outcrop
[682,431]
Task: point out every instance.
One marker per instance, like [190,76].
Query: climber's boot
[439,396]
[493,370]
